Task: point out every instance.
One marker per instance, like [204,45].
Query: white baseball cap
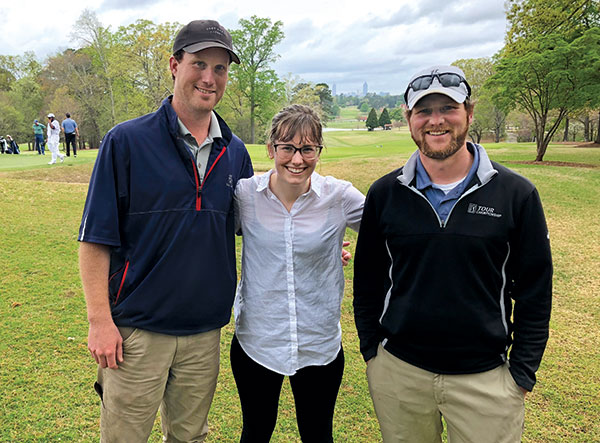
[51,115]
[447,80]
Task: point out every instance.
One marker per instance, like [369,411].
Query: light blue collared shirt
[442,202]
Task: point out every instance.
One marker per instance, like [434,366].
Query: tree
[73,74]
[488,116]
[384,118]
[397,115]
[551,81]
[325,101]
[10,118]
[145,60]
[372,121]
[530,19]
[26,96]
[98,40]
[256,84]
[19,78]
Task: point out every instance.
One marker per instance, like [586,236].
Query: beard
[457,142]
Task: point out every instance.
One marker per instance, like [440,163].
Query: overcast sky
[346,43]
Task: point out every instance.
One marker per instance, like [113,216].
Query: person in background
[12,145]
[157,252]
[38,131]
[452,280]
[69,127]
[3,145]
[287,308]
[54,139]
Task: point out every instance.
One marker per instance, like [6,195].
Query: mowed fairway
[46,372]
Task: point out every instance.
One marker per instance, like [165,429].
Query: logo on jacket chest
[476,209]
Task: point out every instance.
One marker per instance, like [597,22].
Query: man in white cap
[157,253]
[53,139]
[452,280]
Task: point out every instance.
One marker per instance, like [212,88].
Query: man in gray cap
[452,280]
[157,253]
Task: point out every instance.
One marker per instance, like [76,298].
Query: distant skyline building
[333,90]
[365,88]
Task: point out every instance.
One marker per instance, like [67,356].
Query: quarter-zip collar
[218,149]
[173,125]
[484,173]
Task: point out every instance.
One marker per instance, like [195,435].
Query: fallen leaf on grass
[15,304]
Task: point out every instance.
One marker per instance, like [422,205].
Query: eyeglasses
[446,79]
[287,151]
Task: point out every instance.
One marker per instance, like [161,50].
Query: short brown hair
[296,119]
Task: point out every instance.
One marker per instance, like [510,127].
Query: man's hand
[105,344]
[346,256]
[104,339]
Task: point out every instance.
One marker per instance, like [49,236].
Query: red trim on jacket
[198,199]
[199,189]
[122,281]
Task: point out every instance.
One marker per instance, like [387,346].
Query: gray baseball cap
[447,80]
[203,34]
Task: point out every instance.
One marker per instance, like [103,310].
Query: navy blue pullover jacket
[172,263]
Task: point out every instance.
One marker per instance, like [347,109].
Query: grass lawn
[348,119]
[46,372]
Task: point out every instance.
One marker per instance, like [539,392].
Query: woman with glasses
[287,308]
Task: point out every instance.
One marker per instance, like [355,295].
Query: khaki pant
[410,402]
[177,373]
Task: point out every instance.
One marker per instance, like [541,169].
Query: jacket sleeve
[371,279]
[108,196]
[247,169]
[531,268]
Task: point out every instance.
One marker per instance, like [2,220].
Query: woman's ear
[270,151]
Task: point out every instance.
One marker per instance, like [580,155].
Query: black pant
[315,390]
[70,140]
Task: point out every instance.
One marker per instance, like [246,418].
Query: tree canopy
[384,118]
[557,78]
[256,89]
[488,116]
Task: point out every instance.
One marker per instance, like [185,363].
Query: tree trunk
[598,130]
[586,128]
[541,144]
[252,111]
[566,134]
[252,123]
[541,150]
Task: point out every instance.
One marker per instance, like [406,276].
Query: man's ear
[173,64]
[270,151]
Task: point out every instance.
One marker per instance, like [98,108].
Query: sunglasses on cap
[446,79]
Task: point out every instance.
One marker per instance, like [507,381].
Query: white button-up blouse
[288,301]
